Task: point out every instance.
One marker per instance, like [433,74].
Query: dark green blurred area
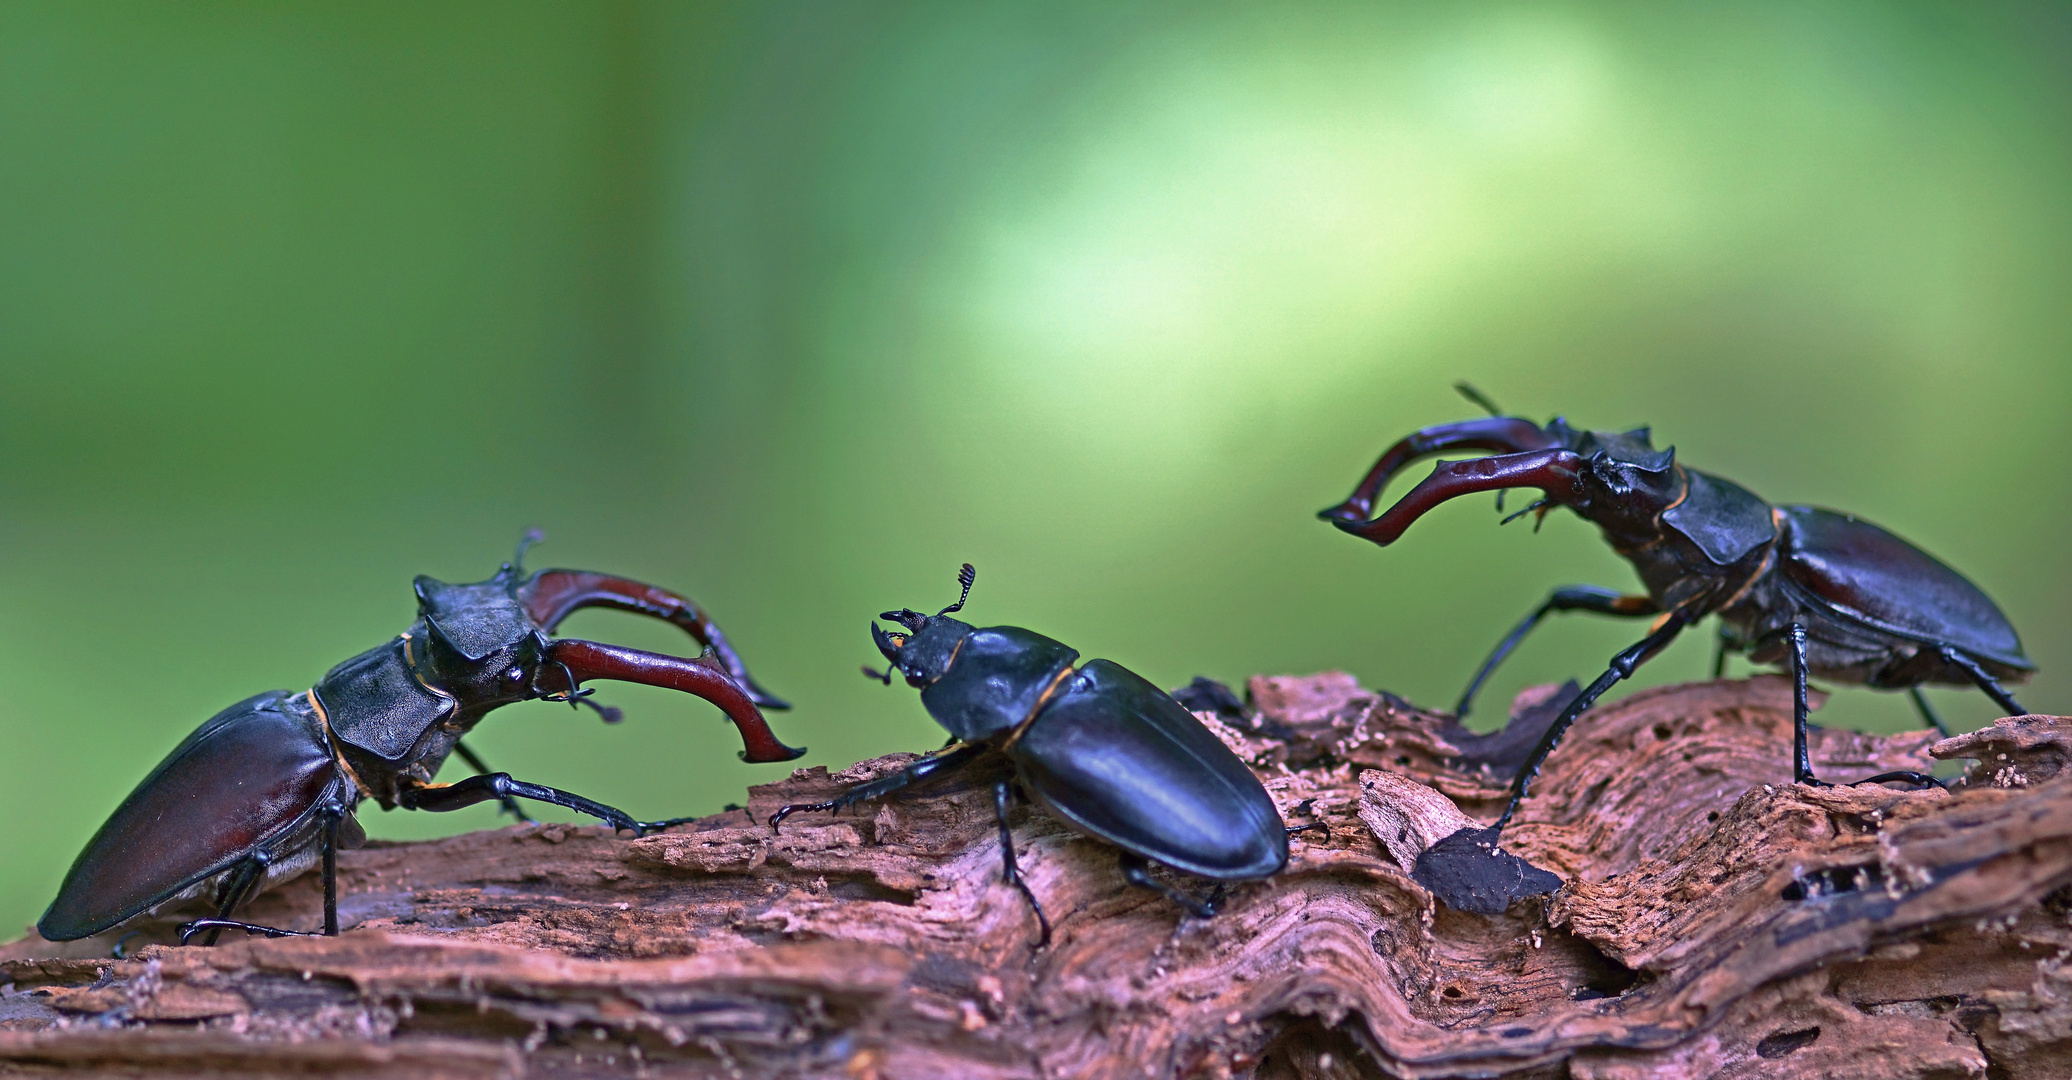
[794,308]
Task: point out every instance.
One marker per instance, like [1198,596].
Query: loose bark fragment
[1716,920]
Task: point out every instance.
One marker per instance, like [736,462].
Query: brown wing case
[242,781]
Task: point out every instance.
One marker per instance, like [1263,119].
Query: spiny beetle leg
[1573,598]
[1918,779]
[243,881]
[440,798]
[1802,763]
[334,819]
[777,819]
[1136,871]
[216,926]
[959,755]
[649,827]
[1801,759]
[1622,667]
[1928,712]
[1984,680]
[1002,797]
[475,762]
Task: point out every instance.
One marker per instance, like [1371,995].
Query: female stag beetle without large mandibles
[1830,595]
[1103,750]
[267,787]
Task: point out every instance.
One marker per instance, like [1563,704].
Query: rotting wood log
[1717,921]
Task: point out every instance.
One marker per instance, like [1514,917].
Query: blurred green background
[795,307]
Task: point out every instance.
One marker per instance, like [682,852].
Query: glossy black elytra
[1829,594]
[1104,751]
[267,787]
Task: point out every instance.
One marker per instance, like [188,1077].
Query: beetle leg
[886,785]
[550,595]
[245,880]
[1621,667]
[1984,680]
[1135,871]
[1553,471]
[217,926]
[1719,653]
[1920,780]
[1500,434]
[440,798]
[236,888]
[1802,762]
[1928,712]
[705,677]
[334,817]
[475,762]
[1002,795]
[1573,598]
[1801,759]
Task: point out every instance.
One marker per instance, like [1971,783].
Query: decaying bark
[1717,921]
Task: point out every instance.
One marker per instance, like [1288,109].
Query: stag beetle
[267,787]
[1832,595]
[1103,750]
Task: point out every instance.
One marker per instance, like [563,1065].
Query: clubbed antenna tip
[965,576]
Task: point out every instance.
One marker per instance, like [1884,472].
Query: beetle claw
[783,812]
[1921,781]
[188,931]
[649,828]
[1324,825]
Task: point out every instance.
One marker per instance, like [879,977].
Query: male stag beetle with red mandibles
[1831,595]
[266,788]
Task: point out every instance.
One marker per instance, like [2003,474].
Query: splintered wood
[1717,921]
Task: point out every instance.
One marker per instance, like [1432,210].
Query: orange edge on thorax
[337,755]
[1041,701]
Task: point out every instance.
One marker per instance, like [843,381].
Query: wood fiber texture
[1717,921]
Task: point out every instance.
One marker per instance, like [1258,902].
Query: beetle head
[1626,483]
[924,652]
[479,644]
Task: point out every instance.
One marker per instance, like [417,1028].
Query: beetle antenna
[531,537]
[581,696]
[884,676]
[610,714]
[1467,390]
[965,577]
[1538,504]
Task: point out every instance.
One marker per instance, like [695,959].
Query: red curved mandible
[1552,471]
[1502,434]
[704,677]
[551,595]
